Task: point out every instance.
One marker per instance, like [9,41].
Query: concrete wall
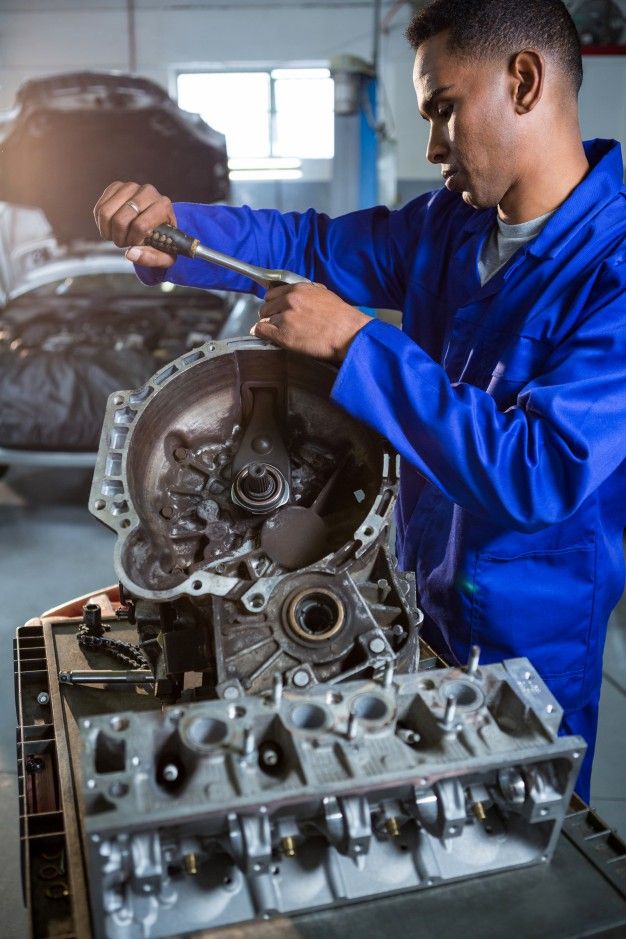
[39,38]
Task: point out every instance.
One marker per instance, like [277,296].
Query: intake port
[370,707]
[465,694]
[308,716]
[206,732]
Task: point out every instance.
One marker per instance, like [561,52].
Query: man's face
[471,114]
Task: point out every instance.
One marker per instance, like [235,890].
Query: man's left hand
[310,319]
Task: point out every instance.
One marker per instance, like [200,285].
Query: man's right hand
[127,225]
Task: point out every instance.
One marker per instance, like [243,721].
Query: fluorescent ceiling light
[269,174]
[264,163]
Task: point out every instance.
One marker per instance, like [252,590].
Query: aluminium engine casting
[218,812]
[252,517]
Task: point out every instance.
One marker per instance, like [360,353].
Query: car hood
[70,135]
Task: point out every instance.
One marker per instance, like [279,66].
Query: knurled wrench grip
[173,241]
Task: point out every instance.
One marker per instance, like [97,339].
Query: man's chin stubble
[476,202]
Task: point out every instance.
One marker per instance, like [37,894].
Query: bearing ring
[315,614]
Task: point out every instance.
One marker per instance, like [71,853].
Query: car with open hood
[75,322]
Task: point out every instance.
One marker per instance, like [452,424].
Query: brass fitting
[190,863]
[479,811]
[393,827]
[288,846]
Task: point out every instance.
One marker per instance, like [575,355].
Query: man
[505,393]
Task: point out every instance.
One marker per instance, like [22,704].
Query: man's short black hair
[493,28]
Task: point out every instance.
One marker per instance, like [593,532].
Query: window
[272,119]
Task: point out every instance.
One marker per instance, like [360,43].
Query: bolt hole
[197,585]
[236,711]
[118,723]
[368,532]
[99,504]
[257,600]
[125,523]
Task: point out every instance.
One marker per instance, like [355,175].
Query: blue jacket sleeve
[361,256]
[527,467]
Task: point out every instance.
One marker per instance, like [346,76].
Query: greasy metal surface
[234,484]
[164,471]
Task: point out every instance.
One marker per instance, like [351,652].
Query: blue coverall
[507,404]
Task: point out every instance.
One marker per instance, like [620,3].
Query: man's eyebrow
[428,101]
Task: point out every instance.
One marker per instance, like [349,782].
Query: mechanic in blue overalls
[505,392]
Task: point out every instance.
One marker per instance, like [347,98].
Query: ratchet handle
[172,240]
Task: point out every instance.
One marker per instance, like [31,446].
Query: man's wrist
[360,320]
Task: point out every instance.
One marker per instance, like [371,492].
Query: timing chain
[125,652]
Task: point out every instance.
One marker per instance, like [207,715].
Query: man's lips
[448,177]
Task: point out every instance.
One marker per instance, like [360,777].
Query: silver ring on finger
[133,205]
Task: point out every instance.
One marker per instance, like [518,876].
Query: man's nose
[437,149]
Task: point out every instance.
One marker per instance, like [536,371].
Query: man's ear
[527,70]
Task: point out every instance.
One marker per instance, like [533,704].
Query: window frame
[312,169]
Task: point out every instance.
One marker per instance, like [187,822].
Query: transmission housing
[252,518]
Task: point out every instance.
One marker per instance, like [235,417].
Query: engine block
[219,812]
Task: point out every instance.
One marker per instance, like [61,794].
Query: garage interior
[51,547]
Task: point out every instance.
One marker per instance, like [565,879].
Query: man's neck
[545,185]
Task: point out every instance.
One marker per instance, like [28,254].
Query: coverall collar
[597,189]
